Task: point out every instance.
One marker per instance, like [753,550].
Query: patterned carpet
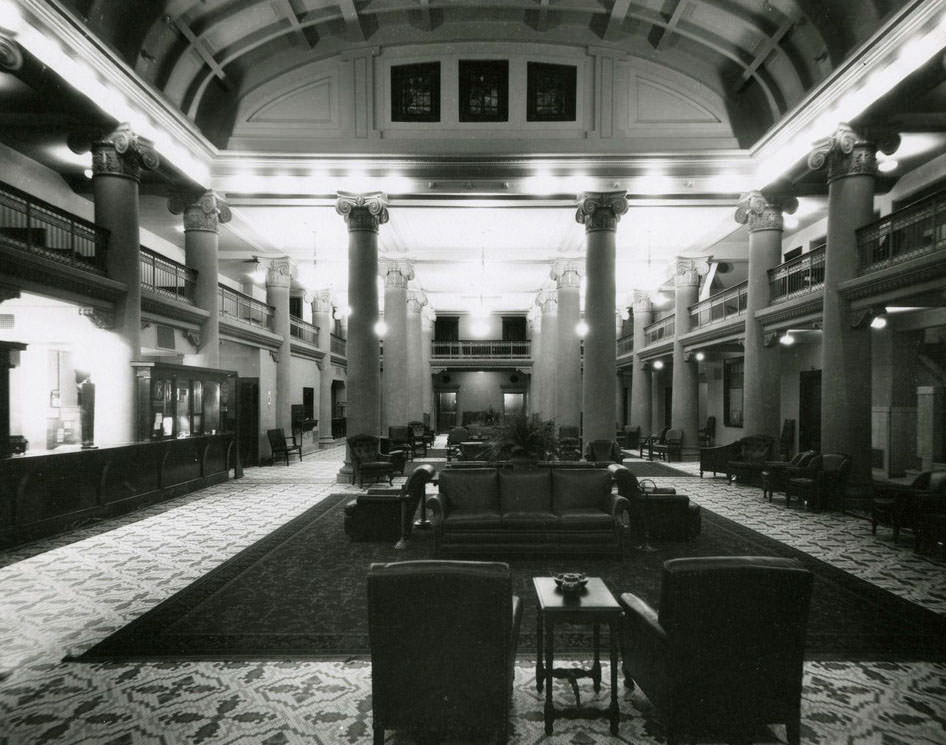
[63,595]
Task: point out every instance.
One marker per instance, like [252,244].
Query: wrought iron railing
[337,345]
[30,224]
[664,328]
[244,308]
[495,349]
[166,276]
[303,330]
[625,345]
[913,231]
[801,276]
[729,303]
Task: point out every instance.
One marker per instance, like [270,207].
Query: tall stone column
[547,303]
[761,391]
[851,161]
[684,405]
[364,214]
[567,344]
[394,382]
[417,367]
[642,315]
[536,402]
[202,218]
[278,279]
[117,162]
[600,212]
[322,318]
[427,336]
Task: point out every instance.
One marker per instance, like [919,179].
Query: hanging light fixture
[480,327]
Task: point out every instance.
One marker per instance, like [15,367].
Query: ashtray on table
[571,582]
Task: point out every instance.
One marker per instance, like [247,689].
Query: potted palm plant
[523,439]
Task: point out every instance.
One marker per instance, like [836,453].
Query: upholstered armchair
[707,433]
[723,655]
[423,437]
[822,483]
[388,517]
[401,437]
[603,451]
[672,446]
[898,505]
[455,438]
[443,640]
[776,473]
[654,439]
[367,460]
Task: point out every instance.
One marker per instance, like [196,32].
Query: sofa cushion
[579,489]
[525,491]
[580,518]
[532,520]
[470,489]
[474,519]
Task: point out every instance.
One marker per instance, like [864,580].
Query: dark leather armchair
[776,473]
[931,515]
[649,442]
[423,437]
[822,483]
[281,446]
[388,517]
[455,438]
[707,434]
[443,640]
[898,505]
[367,460]
[724,654]
[401,437]
[672,446]
[603,451]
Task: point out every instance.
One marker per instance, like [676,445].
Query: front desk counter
[51,491]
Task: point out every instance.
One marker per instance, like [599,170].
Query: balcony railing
[166,276]
[337,345]
[244,308]
[800,276]
[29,224]
[494,349]
[303,330]
[905,234]
[625,345]
[726,304]
[665,328]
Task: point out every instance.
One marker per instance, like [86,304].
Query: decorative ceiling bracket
[193,337]
[770,338]
[101,318]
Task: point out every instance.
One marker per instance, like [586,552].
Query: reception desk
[46,493]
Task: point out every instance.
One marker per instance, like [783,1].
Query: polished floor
[61,595]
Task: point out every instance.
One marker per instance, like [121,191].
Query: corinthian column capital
[601,210]
[123,153]
[363,211]
[204,213]
[760,212]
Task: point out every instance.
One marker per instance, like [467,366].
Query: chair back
[363,448]
[399,435]
[439,633]
[736,629]
[277,439]
[673,437]
[457,435]
[603,450]
[931,481]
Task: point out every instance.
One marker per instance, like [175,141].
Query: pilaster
[567,276]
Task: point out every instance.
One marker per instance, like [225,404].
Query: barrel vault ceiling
[479,216]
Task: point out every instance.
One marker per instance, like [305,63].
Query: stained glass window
[415,92]
[484,90]
[551,92]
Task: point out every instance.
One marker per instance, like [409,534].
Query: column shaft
[599,381]
[641,410]
[322,318]
[277,295]
[568,350]
[685,398]
[394,379]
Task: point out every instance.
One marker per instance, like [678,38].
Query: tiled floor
[59,596]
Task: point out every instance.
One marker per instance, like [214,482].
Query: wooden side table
[594,605]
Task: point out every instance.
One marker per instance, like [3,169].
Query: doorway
[809,410]
[446,410]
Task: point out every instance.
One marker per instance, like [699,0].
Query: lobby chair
[603,451]
[443,640]
[822,483]
[898,505]
[423,437]
[653,440]
[776,473]
[455,438]
[367,460]
[401,437]
[707,434]
[723,656]
[282,445]
[672,446]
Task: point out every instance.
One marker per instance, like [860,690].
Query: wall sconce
[786,339]
[878,322]
[700,356]
[581,328]
[658,364]
[380,328]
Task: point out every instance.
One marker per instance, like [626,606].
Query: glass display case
[183,401]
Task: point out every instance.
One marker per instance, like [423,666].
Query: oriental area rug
[300,593]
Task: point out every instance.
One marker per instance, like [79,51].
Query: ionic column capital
[203,213]
[760,212]
[322,301]
[416,301]
[123,153]
[852,153]
[546,300]
[601,210]
[641,302]
[396,272]
[687,272]
[566,273]
[279,273]
[363,211]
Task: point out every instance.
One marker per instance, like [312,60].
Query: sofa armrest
[619,508]
[642,619]
[439,506]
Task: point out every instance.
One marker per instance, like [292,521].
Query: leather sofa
[742,459]
[541,509]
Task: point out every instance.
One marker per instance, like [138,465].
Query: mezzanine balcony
[480,350]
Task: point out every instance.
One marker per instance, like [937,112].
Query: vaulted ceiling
[479,211]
